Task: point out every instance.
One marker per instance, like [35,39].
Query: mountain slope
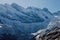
[50,31]
[24,18]
[24,21]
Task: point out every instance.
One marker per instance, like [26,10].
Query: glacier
[24,22]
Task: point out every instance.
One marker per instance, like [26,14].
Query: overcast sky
[52,5]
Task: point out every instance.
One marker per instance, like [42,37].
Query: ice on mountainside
[26,18]
[24,21]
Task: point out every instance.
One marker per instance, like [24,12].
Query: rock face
[52,32]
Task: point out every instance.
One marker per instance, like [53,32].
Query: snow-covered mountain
[22,20]
[29,19]
[53,25]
